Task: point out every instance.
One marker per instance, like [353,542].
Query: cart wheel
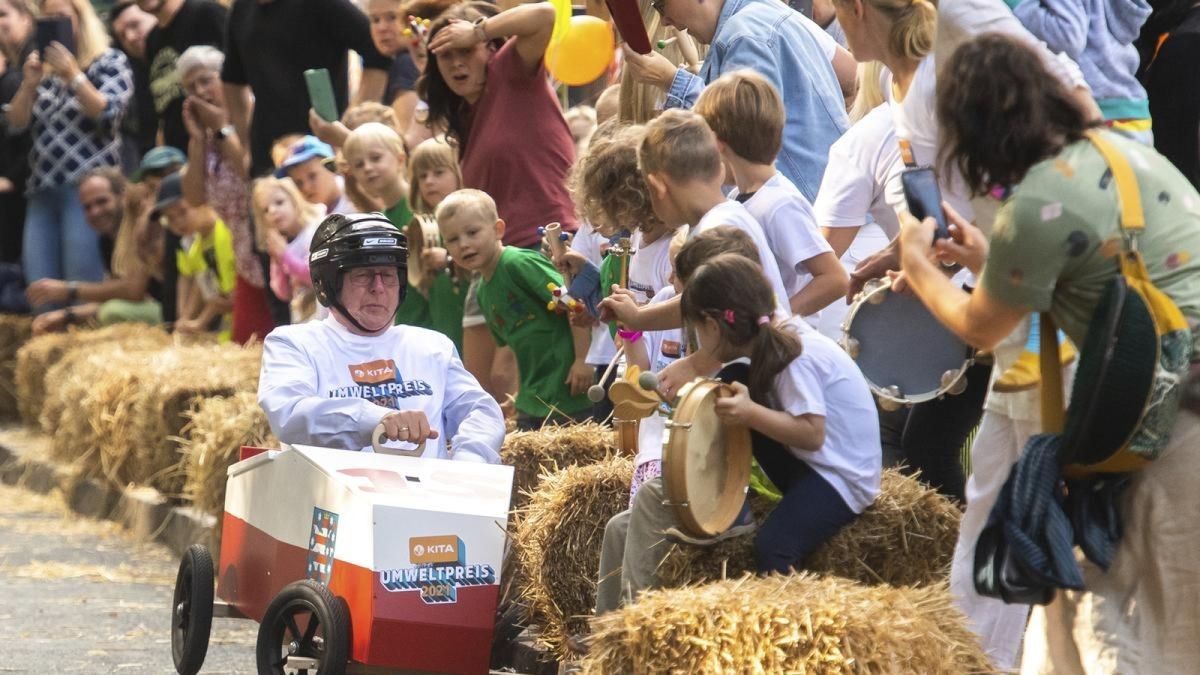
[192,610]
[306,630]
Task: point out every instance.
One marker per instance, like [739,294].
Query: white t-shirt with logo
[664,347]
[788,221]
[734,214]
[824,381]
[863,164]
[322,385]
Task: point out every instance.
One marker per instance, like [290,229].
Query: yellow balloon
[583,53]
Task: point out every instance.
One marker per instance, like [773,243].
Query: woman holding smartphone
[72,103]
[16,42]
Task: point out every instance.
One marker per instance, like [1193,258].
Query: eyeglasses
[365,278]
[657,5]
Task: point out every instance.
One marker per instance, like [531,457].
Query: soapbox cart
[351,560]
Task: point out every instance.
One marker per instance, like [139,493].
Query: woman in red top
[485,82]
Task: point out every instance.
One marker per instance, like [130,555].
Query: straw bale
[557,544]
[795,623]
[219,427]
[144,423]
[39,354]
[81,388]
[905,538]
[14,332]
[553,447]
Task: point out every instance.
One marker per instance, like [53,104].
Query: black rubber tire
[192,610]
[332,622]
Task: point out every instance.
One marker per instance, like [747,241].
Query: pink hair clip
[729,316]
[764,320]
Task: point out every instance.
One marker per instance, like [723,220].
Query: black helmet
[345,242]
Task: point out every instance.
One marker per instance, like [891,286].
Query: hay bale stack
[905,538]
[557,544]
[796,623]
[14,332]
[532,453]
[82,389]
[141,434]
[37,356]
[219,427]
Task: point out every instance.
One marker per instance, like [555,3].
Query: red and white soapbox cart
[380,560]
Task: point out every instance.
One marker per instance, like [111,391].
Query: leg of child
[810,513]
[645,547]
[608,586]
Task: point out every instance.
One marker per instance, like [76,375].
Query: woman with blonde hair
[73,104]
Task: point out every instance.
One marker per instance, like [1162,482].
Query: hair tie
[764,320]
[729,316]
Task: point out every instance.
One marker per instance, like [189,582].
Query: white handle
[379,447]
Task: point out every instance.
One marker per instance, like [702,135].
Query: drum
[422,233]
[706,464]
[905,353]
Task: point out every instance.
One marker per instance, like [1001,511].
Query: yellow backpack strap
[1053,408]
[1129,197]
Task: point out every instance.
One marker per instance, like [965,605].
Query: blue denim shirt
[766,36]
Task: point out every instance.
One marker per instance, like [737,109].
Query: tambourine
[422,233]
[904,352]
[706,463]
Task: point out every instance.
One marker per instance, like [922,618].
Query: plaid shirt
[66,142]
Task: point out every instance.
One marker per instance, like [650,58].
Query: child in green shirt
[513,295]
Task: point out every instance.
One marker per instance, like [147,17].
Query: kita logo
[374,372]
[432,550]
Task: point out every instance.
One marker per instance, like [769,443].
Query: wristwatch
[225,132]
[72,291]
[479,30]
[74,84]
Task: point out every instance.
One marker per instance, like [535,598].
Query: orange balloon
[583,52]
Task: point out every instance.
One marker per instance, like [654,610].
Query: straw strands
[14,332]
[36,357]
[219,427]
[795,623]
[119,410]
[557,544]
[905,538]
[553,447]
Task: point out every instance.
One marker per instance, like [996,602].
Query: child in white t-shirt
[746,113]
[805,394]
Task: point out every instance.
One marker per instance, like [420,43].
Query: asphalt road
[79,596]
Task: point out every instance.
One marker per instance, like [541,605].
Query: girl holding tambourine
[803,392]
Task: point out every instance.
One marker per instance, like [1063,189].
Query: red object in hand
[628,18]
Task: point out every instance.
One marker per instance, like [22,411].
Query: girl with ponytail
[817,429]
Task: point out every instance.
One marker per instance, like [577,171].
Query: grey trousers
[633,548]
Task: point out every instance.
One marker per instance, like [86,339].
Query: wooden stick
[596,391]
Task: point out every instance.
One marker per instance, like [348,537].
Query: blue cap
[157,159]
[303,150]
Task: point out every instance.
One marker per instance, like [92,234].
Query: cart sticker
[440,568]
[321,542]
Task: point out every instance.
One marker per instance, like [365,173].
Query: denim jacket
[766,36]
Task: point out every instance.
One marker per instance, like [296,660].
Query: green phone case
[320,93]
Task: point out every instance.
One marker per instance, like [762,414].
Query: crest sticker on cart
[321,542]
[439,568]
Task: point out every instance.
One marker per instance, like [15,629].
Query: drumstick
[688,48]
[649,382]
[663,44]
[595,392]
[556,241]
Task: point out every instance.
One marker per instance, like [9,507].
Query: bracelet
[70,314]
[76,82]
[630,336]
[72,291]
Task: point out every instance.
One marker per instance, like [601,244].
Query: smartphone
[320,93]
[924,198]
[55,29]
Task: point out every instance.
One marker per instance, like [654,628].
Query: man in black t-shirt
[269,45]
[1174,92]
[181,24]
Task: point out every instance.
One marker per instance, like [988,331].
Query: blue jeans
[58,242]
[810,513]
